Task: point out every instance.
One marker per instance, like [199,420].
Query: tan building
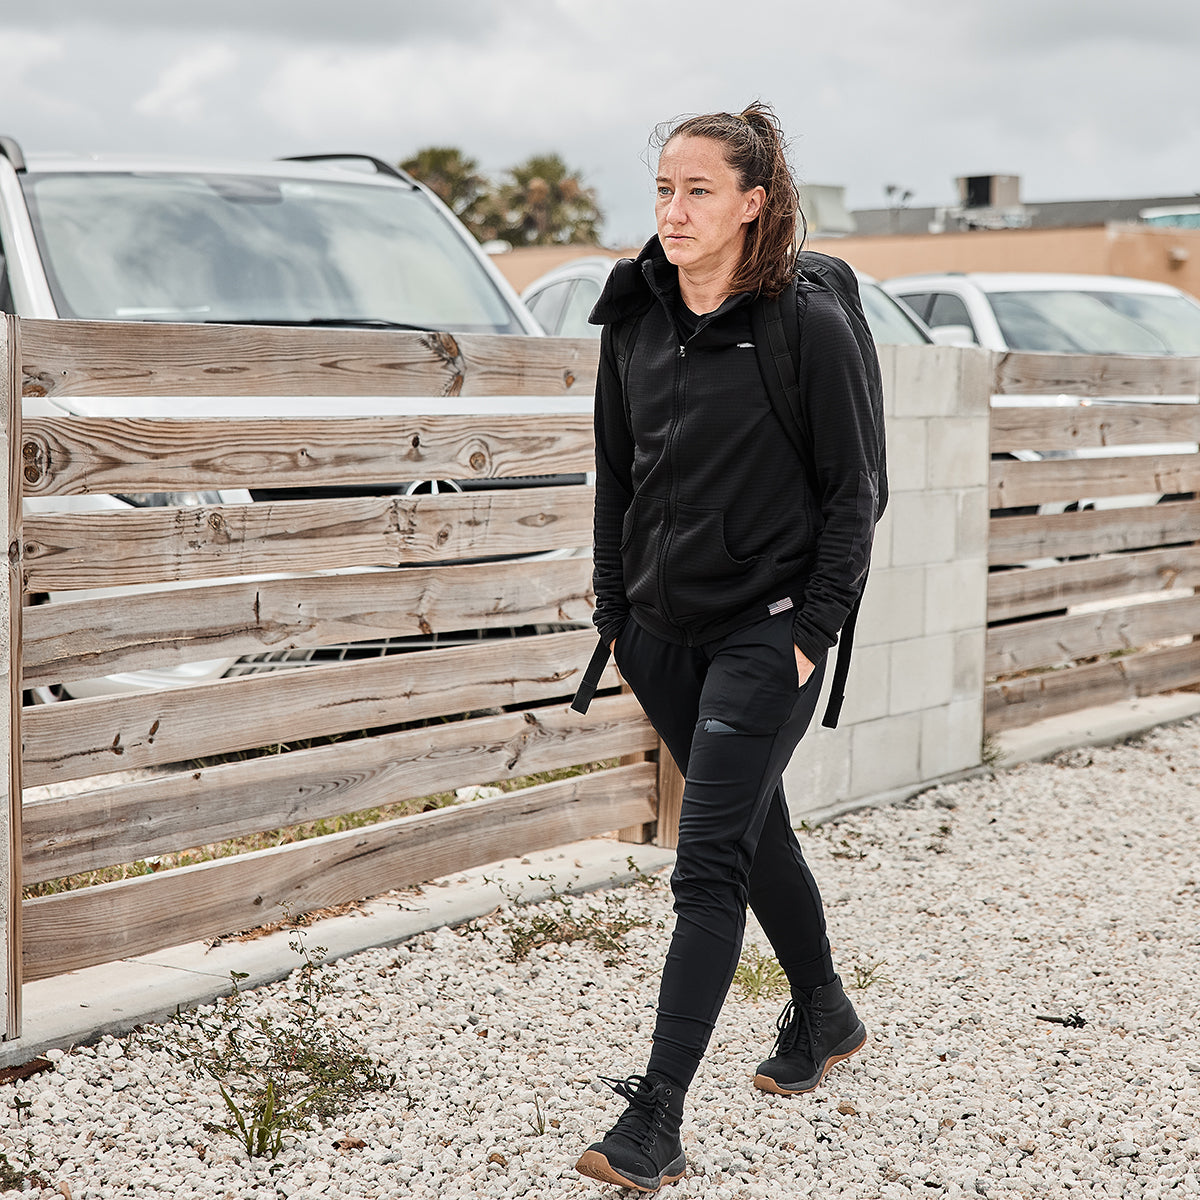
[1164,254]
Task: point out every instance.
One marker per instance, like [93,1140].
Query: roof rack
[381,167]
[12,151]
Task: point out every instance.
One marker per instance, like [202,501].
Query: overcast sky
[1082,98]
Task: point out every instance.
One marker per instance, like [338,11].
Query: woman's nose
[676,212]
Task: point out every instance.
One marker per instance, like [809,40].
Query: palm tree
[542,203]
[454,178]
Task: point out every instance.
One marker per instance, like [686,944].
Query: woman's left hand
[803,667]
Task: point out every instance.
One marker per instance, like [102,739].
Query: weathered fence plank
[1028,591]
[1058,641]
[1093,426]
[1028,373]
[169,627]
[109,549]
[161,814]
[1013,703]
[82,738]
[70,930]
[116,358]
[1021,539]
[88,455]
[10,685]
[1076,479]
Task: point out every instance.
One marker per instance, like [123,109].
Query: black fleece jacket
[705,514]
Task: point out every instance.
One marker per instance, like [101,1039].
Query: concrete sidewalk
[115,997]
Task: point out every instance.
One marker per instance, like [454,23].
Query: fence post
[10,681]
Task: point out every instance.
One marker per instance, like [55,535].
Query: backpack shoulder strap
[777,347]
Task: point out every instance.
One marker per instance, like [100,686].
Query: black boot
[813,1035]
[642,1150]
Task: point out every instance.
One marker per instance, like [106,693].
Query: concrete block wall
[914,699]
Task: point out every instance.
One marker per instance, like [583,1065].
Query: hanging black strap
[591,677]
[845,646]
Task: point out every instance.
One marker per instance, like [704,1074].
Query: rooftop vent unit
[984,202]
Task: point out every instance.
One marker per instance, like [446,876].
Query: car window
[919,302]
[178,246]
[890,324]
[547,305]
[575,316]
[948,309]
[1077,322]
[6,303]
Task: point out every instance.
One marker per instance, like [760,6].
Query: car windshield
[1099,322]
[890,324]
[160,246]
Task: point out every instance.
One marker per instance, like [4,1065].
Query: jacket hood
[627,290]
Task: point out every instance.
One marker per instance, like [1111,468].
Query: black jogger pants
[731,713]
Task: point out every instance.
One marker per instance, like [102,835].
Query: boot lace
[641,1122]
[795,1029]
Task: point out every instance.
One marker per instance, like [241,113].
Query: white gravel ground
[1066,887]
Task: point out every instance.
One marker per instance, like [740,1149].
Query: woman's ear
[756,198]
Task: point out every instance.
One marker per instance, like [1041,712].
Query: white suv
[332,240]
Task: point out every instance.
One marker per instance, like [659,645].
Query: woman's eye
[664,191]
[699,191]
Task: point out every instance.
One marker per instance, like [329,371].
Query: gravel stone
[963,918]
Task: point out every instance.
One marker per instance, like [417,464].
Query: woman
[724,569]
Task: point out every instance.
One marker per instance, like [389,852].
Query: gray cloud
[1080,100]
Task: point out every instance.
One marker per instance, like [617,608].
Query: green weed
[759,976]
[276,1074]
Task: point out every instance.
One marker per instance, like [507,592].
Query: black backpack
[776,325]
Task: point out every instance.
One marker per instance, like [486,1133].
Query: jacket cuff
[611,627]
[812,644]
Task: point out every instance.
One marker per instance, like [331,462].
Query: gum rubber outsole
[594,1165]
[765,1083]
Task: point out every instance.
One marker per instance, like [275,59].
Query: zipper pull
[682,350]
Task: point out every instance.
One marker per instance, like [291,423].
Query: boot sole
[766,1084]
[594,1165]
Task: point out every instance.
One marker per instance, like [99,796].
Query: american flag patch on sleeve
[779,606]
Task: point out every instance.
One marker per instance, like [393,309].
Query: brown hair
[756,150]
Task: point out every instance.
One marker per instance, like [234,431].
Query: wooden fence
[1092,605]
[116,779]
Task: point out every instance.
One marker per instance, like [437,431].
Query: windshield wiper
[321,322]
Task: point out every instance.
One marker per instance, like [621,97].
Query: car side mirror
[954,335]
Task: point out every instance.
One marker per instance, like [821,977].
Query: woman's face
[701,211]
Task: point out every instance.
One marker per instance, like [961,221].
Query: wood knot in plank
[36,455]
[444,348]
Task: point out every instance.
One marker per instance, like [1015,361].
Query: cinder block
[893,606]
[976,381]
[884,754]
[972,531]
[922,673]
[924,528]
[926,381]
[969,651]
[959,454]
[956,595]
[819,773]
[907,441]
[867,686]
[951,738]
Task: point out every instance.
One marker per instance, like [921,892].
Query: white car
[1062,314]
[326,241]
[562,298]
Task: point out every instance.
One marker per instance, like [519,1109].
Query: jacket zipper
[678,403]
